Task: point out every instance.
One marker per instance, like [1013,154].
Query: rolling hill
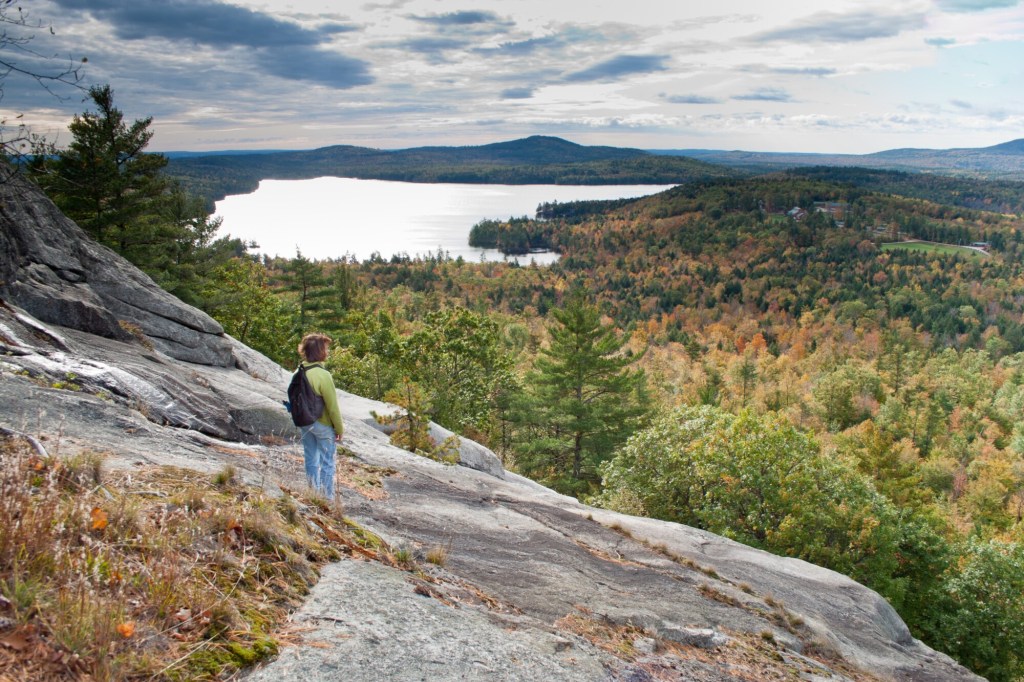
[1000,162]
[533,160]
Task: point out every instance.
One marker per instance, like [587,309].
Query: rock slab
[50,268]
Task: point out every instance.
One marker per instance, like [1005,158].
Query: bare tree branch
[17,30]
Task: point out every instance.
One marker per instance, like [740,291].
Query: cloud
[453,31]
[940,42]
[432,45]
[702,22]
[525,47]
[844,28]
[335,28]
[619,67]
[804,71]
[817,71]
[765,95]
[818,121]
[517,93]
[314,65]
[690,99]
[576,37]
[283,48]
[463,18]
[395,4]
[961,104]
[193,20]
[974,5]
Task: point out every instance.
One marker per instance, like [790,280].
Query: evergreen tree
[899,359]
[306,280]
[582,401]
[710,392]
[119,195]
[345,290]
[745,374]
[189,262]
[104,181]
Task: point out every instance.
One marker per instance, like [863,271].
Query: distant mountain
[535,150]
[1000,162]
[1011,147]
[533,160]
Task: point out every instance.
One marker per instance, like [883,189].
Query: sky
[837,77]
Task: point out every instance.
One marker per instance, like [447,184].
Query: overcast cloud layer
[297,74]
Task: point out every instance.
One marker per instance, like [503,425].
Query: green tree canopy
[367,358]
[583,401]
[978,621]
[759,480]
[453,360]
[238,298]
[456,357]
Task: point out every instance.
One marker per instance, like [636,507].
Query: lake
[334,217]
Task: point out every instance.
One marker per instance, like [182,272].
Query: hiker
[320,437]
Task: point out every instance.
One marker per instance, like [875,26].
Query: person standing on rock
[319,439]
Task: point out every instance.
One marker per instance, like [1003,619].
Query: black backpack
[304,404]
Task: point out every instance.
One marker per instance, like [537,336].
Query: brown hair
[313,347]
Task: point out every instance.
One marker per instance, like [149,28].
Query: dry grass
[621,530]
[161,574]
[136,331]
[165,574]
[439,554]
[717,595]
[747,657]
[615,638]
[782,617]
[774,610]
[663,550]
[365,479]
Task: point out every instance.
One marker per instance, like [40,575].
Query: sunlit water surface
[334,217]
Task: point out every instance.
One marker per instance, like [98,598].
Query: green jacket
[323,385]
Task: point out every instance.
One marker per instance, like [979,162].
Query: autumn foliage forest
[804,389]
[805,381]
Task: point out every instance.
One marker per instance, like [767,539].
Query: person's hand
[337,438]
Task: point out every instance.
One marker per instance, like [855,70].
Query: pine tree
[345,288]
[582,402]
[104,181]
[306,280]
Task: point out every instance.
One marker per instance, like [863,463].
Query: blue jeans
[318,449]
